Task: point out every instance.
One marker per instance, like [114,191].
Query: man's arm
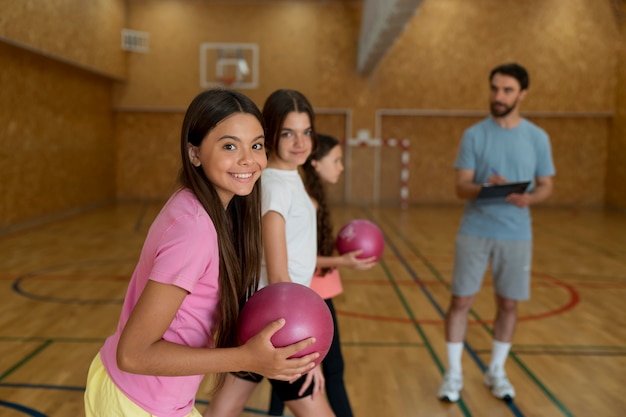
[465,186]
[542,190]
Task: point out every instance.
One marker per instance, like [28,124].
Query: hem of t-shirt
[179,281]
[497,236]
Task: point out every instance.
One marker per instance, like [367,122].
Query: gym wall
[84,123]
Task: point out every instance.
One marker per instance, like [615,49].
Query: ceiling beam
[383,21]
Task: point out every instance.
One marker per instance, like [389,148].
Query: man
[500,149]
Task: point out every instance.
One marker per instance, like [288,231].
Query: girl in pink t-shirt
[289,243]
[200,260]
[324,166]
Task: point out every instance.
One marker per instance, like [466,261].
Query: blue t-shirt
[519,154]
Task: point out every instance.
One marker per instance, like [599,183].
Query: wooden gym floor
[61,285]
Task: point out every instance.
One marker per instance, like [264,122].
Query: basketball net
[226,81]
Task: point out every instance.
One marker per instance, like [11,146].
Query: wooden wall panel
[84,33]
[169,74]
[443,58]
[433,146]
[580,151]
[440,61]
[333,122]
[56,130]
[578,145]
[616,160]
[148,154]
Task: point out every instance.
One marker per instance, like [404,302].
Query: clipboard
[502,190]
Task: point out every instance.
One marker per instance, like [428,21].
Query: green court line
[52,339]
[382,344]
[540,384]
[26,359]
[436,273]
[418,327]
[528,348]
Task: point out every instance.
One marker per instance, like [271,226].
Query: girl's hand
[351,260]
[317,378]
[263,358]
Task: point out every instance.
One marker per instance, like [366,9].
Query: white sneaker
[450,389]
[500,386]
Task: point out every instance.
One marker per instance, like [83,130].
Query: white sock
[498,356]
[455,350]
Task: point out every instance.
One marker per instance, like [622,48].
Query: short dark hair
[514,70]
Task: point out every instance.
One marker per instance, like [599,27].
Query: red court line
[574,299]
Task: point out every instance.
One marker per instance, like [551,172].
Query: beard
[500,109]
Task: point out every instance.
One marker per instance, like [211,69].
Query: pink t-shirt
[180,249]
[327,286]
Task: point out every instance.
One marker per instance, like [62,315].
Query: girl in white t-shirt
[324,166]
[289,244]
[200,260]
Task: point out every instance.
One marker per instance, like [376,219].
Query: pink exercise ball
[305,313]
[361,234]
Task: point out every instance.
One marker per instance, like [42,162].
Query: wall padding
[56,130]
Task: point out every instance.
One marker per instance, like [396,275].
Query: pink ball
[306,315]
[361,234]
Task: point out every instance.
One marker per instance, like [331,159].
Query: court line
[42,386]
[52,339]
[572,349]
[472,353]
[17,283]
[420,331]
[28,357]
[510,404]
[18,407]
[574,299]
[34,413]
[469,349]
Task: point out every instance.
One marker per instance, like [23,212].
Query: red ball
[305,312]
[361,234]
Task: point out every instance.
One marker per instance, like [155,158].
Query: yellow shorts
[104,399]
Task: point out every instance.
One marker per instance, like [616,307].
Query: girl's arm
[275,247]
[347,260]
[142,349]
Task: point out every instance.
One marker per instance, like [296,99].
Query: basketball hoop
[226,81]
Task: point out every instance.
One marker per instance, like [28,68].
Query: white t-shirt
[284,193]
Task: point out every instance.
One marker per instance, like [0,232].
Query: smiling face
[232,155]
[295,142]
[330,167]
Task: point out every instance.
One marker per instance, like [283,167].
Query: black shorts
[285,390]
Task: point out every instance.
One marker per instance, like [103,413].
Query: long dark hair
[239,226]
[275,110]
[317,190]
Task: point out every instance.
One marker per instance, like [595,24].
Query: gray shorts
[510,266]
